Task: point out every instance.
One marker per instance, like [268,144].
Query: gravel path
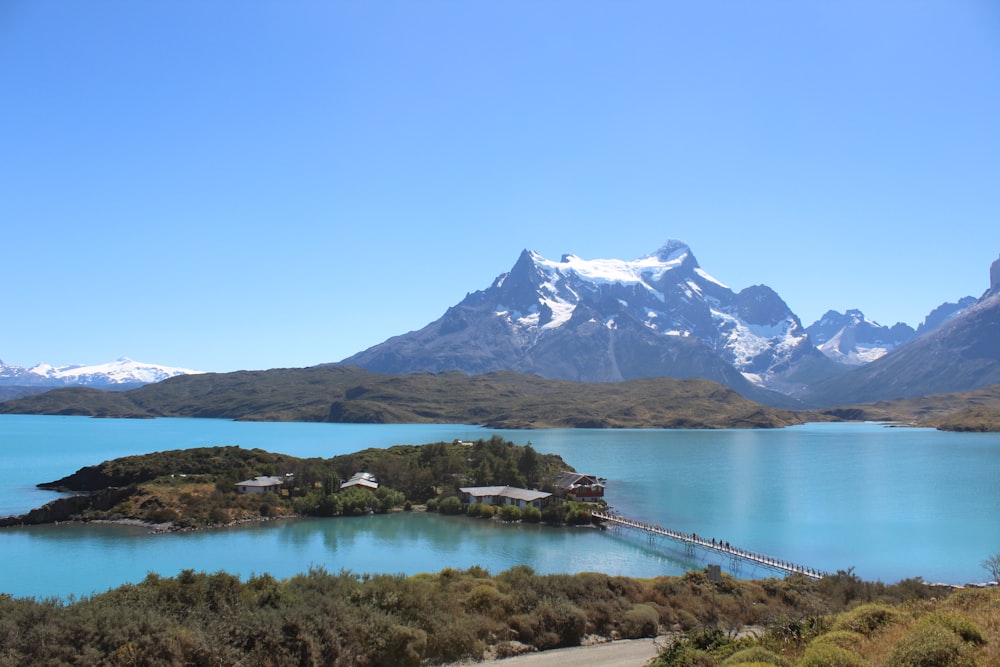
[625,653]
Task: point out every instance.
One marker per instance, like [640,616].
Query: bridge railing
[715,545]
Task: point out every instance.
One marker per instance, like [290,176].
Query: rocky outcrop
[70,508]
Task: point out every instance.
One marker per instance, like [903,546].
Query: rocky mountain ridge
[663,315]
[610,320]
[962,354]
[853,339]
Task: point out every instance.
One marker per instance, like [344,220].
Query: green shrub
[930,644]
[510,513]
[431,505]
[450,505]
[641,620]
[828,655]
[554,515]
[531,514]
[845,639]
[693,649]
[755,655]
[486,599]
[866,619]
[162,515]
[964,628]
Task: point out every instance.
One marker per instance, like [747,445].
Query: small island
[219,486]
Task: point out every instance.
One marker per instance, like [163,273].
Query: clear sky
[238,184]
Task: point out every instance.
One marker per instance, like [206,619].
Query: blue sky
[240,185]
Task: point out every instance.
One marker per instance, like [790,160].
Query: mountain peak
[995,276]
[673,250]
[606,320]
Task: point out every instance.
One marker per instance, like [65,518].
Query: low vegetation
[342,619]
[497,400]
[195,488]
[346,394]
[907,627]
[970,411]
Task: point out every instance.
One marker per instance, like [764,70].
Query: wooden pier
[692,540]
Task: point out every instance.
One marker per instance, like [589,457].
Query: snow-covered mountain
[609,320]
[853,339]
[121,373]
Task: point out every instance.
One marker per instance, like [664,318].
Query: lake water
[890,502]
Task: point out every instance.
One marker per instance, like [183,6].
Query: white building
[504,495]
[260,485]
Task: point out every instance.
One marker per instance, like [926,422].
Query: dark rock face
[995,276]
[943,313]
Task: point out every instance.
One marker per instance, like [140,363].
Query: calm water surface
[891,502]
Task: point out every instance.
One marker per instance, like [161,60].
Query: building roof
[262,482]
[525,495]
[365,479]
[567,480]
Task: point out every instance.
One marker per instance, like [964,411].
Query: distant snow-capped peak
[121,371]
[853,339]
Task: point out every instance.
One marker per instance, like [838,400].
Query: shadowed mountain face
[611,320]
[960,355]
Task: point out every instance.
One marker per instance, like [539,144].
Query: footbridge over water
[693,541]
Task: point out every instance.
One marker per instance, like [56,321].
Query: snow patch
[701,272]
[561,312]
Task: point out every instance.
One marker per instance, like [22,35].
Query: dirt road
[628,653]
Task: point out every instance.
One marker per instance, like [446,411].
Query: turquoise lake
[890,502]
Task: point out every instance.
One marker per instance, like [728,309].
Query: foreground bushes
[905,627]
[344,619]
[317,619]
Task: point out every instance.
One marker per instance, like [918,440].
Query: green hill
[351,395]
[977,410]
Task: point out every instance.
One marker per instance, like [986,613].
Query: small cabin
[581,487]
[260,485]
[365,480]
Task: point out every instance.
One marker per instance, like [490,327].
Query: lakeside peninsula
[217,486]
